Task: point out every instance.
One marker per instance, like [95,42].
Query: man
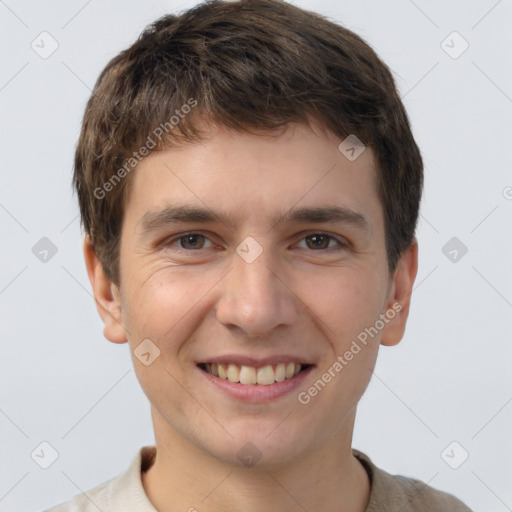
[249,187]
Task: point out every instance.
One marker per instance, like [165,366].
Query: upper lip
[241,360]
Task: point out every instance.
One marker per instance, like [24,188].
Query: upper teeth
[264,376]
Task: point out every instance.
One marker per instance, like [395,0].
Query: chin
[258,447]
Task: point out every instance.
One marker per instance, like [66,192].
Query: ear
[106,295]
[399,297]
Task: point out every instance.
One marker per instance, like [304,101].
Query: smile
[249,375]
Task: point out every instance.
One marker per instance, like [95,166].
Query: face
[264,259]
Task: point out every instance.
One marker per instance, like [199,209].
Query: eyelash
[341,244]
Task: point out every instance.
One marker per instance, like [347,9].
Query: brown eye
[193,241]
[318,241]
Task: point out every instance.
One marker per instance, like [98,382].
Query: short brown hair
[250,65]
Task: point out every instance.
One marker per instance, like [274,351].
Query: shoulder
[421,497]
[86,502]
[397,492]
[124,493]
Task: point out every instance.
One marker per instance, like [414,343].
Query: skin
[295,298]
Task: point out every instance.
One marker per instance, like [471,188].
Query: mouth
[254,376]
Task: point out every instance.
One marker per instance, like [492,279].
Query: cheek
[159,306]
[164,304]
[346,301]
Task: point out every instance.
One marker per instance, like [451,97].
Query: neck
[184,477]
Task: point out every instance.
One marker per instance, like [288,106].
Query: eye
[190,241]
[322,241]
[196,241]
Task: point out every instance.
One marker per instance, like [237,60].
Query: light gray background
[448,380]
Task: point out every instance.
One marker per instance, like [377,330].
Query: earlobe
[106,295]
[399,298]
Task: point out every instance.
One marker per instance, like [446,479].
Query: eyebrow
[170,215]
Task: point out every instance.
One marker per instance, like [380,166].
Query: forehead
[256,178]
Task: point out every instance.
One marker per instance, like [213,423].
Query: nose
[255,297]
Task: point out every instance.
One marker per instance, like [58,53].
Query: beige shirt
[389,493]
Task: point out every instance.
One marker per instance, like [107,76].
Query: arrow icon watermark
[147,352]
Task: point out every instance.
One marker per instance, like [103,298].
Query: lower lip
[256,392]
